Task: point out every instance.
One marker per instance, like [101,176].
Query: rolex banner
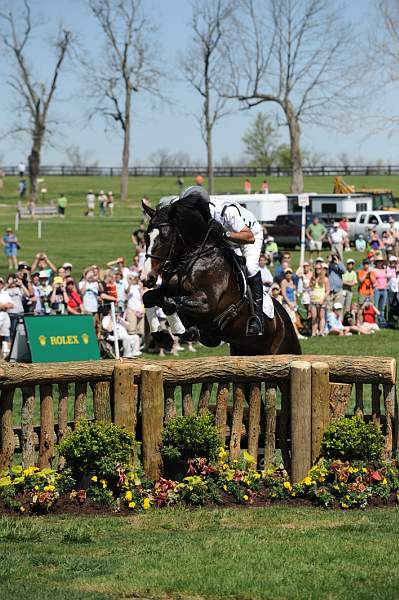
[55,339]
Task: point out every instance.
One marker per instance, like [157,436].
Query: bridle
[167,261]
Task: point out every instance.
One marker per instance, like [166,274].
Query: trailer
[265,207]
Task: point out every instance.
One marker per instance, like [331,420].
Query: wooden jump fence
[261,403]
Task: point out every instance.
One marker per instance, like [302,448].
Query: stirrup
[254,326]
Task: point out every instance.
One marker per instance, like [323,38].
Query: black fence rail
[243,171]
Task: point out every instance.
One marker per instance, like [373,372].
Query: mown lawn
[275,552]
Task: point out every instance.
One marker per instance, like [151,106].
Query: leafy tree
[260,141]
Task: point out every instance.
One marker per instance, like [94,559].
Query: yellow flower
[287,485]
[103,482]
[384,481]
[21,509]
[131,504]
[94,478]
[36,487]
[146,503]
[293,494]
[364,469]
[308,481]
[245,497]
[225,466]
[225,488]
[128,496]
[257,475]
[344,505]
[49,488]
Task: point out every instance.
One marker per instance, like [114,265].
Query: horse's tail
[290,343]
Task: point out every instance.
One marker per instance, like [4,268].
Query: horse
[200,282]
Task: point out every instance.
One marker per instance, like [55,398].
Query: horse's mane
[192,216]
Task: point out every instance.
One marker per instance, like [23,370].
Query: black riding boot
[255,322]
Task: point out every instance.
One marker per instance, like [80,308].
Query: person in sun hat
[336,238]
[11,246]
[366,278]
[305,275]
[44,291]
[349,284]
[59,297]
[91,203]
[102,203]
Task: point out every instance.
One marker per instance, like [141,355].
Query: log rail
[260,403]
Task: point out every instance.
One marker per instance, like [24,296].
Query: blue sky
[167,126]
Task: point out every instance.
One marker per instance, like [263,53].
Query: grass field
[278,552]
[85,241]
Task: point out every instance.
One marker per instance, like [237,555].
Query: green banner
[61,338]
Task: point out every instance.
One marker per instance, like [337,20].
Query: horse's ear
[150,211]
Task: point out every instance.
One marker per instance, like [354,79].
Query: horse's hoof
[163,339]
[190,335]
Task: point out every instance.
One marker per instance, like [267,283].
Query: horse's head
[163,245]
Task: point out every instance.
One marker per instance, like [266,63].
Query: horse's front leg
[193,306]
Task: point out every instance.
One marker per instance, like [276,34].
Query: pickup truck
[365,221]
[286,229]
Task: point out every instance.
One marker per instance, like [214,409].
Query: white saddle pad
[268,306]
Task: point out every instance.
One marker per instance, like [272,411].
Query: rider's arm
[245,236]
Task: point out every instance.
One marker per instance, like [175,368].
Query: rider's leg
[152,318]
[252,253]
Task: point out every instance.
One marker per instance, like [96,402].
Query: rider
[237,225]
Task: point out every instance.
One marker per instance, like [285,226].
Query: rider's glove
[218,230]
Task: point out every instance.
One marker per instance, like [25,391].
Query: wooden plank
[340,394]
[284,425]
[80,404]
[270,426]
[204,398]
[359,406]
[389,403]
[343,369]
[27,430]
[6,429]
[63,397]
[187,399]
[254,420]
[375,403]
[320,406]
[222,397]
[125,397]
[301,419]
[46,447]
[102,401]
[170,406]
[152,407]
[237,425]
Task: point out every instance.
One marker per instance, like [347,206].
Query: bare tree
[293,53]
[203,64]
[129,65]
[34,97]
[78,159]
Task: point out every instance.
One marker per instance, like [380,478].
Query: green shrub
[191,437]
[351,439]
[97,447]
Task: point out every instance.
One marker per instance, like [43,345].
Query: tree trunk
[126,149]
[296,156]
[34,168]
[209,152]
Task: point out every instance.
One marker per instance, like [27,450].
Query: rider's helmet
[195,190]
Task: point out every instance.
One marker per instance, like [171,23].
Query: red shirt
[75,301]
[369,314]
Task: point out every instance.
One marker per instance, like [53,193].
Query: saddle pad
[268,306]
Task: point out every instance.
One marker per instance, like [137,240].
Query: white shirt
[5,297]
[134,298]
[233,216]
[337,236]
[21,167]
[267,277]
[393,284]
[91,200]
[360,245]
[90,295]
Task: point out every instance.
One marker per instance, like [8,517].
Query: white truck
[364,222]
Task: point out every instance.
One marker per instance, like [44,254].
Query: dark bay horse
[199,281]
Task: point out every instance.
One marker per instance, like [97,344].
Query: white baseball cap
[337,305]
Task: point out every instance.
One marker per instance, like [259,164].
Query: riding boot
[255,321]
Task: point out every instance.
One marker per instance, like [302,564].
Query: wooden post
[285,424]
[170,406]
[152,407]
[46,447]
[63,397]
[301,419]
[187,399]
[375,403]
[102,401]
[254,420]
[389,402]
[125,397]
[270,426]
[359,407]
[320,405]
[221,410]
[80,408]
[205,396]
[6,427]
[27,418]
[236,424]
[340,394]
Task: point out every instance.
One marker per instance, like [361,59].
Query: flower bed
[330,483]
